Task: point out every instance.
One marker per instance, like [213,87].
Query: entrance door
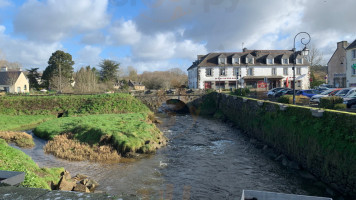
[207,85]
[18,89]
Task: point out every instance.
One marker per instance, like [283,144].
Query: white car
[272,91]
[350,92]
[316,98]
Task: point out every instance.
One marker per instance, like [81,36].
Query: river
[205,159]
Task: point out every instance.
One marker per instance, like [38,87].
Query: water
[205,159]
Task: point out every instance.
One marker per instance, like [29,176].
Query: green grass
[71,105]
[15,160]
[21,122]
[130,132]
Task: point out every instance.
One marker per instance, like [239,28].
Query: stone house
[136,85]
[13,81]
[351,65]
[337,66]
[248,69]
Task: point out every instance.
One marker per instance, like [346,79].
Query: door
[207,85]
[18,89]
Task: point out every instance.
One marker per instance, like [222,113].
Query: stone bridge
[154,99]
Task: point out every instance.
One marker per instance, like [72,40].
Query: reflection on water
[206,159]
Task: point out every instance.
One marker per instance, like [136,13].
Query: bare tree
[315,57]
[86,81]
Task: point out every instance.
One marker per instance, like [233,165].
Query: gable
[9,77]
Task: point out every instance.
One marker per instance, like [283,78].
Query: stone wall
[321,141]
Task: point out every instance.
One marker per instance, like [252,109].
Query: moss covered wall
[322,142]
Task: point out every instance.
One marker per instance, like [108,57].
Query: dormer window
[222,60]
[269,61]
[285,61]
[249,60]
[236,60]
[299,61]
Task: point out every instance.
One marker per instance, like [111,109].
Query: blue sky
[155,35]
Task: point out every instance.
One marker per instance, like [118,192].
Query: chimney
[3,69]
[244,49]
[342,44]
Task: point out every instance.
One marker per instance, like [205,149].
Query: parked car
[290,92]
[272,91]
[342,92]
[281,92]
[308,93]
[350,100]
[350,92]
[326,86]
[329,92]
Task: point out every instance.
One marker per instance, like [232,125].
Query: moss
[15,160]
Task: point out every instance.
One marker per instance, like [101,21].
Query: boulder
[81,188]
[66,185]
[80,177]
[66,175]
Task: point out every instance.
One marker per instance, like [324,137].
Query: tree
[317,71]
[86,81]
[33,76]
[132,73]
[315,57]
[109,70]
[60,64]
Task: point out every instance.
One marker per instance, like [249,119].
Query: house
[337,66]
[248,69]
[13,81]
[136,85]
[351,65]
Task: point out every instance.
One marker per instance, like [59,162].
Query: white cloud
[29,54]
[124,32]
[53,20]
[89,55]
[4,3]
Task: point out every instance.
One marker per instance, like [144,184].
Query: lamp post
[304,52]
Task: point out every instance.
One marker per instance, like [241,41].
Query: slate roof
[259,56]
[7,77]
[352,45]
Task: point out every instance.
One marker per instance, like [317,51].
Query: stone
[66,185]
[80,177]
[66,175]
[81,188]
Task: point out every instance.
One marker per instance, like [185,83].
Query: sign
[261,84]
[353,66]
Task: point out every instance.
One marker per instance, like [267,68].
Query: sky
[153,35]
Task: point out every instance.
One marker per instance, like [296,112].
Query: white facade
[351,67]
[204,77]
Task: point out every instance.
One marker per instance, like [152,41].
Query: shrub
[340,106]
[241,92]
[329,102]
[284,99]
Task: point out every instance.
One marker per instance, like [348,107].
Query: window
[299,84]
[299,71]
[354,53]
[249,60]
[222,72]
[250,71]
[222,61]
[285,71]
[25,87]
[237,71]
[236,60]
[353,71]
[285,61]
[274,71]
[299,61]
[269,61]
[208,72]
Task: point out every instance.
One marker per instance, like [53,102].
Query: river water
[205,159]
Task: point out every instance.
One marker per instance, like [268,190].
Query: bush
[242,92]
[340,106]
[284,99]
[330,102]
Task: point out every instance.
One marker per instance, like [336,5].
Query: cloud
[89,55]
[4,3]
[29,54]
[53,20]
[124,33]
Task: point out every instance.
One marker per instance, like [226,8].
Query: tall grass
[21,122]
[126,132]
[16,160]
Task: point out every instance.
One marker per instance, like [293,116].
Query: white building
[220,70]
[351,65]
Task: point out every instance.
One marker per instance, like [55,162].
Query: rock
[66,175]
[53,186]
[80,177]
[66,185]
[90,183]
[81,188]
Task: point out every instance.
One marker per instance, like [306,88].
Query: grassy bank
[125,132]
[70,105]
[21,122]
[15,160]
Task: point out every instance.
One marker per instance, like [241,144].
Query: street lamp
[304,52]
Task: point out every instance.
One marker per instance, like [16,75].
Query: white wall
[350,78]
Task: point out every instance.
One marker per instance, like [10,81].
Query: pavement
[23,193]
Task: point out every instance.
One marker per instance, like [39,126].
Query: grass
[125,132]
[21,122]
[21,139]
[15,160]
[71,105]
